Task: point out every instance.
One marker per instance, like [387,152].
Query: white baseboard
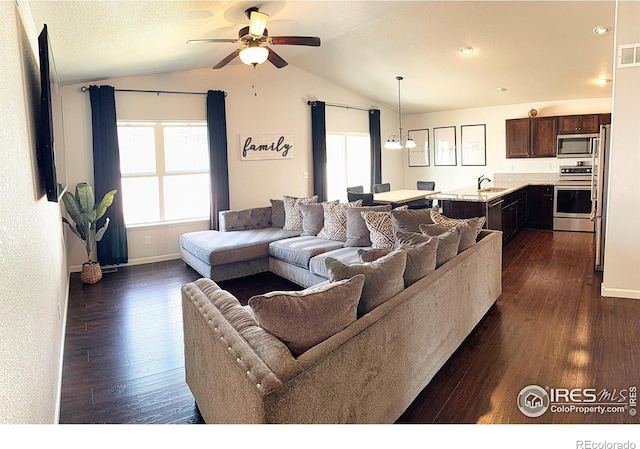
[619,293]
[132,262]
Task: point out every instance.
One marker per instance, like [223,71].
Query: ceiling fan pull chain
[253,85]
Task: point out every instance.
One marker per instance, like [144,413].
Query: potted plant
[85,213]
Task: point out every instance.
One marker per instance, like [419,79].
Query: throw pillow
[357,231]
[422,254]
[302,319]
[380,228]
[312,218]
[469,227]
[383,278]
[292,214]
[421,258]
[335,220]
[438,218]
[277,213]
[409,220]
[448,241]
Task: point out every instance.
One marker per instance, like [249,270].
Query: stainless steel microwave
[577,145]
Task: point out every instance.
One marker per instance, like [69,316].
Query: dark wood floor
[123,359]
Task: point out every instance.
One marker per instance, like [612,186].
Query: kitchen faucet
[481,179]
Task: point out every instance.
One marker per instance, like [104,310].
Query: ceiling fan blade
[295,40]
[275,59]
[227,60]
[210,41]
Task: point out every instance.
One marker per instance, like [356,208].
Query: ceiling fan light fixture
[257,23]
[254,55]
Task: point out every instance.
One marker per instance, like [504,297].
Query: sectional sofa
[358,344]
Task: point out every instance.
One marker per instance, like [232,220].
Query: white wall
[622,249]
[33,271]
[280,106]
[452,177]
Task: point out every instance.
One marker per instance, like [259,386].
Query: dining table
[402,196]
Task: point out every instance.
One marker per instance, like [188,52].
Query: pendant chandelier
[395,142]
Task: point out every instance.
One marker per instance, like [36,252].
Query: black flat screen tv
[50,137]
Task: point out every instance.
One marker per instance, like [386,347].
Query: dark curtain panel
[319,148]
[376,147]
[218,162]
[112,249]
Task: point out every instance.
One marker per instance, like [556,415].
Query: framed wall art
[474,145]
[419,156]
[444,146]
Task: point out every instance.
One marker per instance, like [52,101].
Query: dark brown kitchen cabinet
[540,206]
[514,214]
[579,124]
[544,133]
[531,137]
[508,213]
[518,137]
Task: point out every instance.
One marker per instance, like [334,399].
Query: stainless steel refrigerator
[599,189]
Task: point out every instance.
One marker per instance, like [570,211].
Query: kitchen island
[509,206]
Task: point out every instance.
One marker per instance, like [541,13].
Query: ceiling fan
[253,39]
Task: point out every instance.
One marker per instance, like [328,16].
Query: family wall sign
[257,147]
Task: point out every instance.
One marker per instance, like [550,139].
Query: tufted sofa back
[243,219]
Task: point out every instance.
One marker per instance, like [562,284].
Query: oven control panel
[576,170]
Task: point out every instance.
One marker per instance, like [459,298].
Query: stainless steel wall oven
[572,199]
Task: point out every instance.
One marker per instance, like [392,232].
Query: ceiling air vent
[629,55]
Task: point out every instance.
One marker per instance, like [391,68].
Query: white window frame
[160,173]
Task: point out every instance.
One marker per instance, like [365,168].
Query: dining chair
[378,188]
[357,189]
[426,185]
[424,203]
[367,198]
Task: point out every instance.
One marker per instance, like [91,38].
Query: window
[348,163]
[165,171]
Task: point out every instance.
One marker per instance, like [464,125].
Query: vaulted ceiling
[536,51]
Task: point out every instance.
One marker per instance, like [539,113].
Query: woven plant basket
[91,272]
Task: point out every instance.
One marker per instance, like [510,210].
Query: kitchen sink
[493,189]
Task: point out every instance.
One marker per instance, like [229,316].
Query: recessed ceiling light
[501,89]
[466,50]
[601,30]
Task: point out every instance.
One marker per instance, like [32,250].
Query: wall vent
[629,55]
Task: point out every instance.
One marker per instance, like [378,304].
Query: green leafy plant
[85,213]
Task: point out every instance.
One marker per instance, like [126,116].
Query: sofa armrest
[243,219]
[256,354]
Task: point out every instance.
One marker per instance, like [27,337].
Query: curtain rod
[157,92]
[343,106]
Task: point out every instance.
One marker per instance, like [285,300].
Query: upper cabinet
[518,137]
[605,119]
[537,136]
[579,124]
[531,137]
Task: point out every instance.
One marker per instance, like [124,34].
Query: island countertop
[472,194]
